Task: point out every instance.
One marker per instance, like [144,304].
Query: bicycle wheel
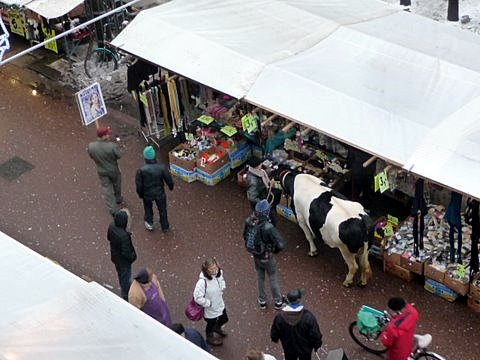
[427,355]
[101,62]
[370,343]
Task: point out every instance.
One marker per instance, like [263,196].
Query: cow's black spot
[319,209]
[355,232]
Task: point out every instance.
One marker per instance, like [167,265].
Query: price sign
[392,220]
[228,130]
[321,155]
[382,180]
[207,120]
[188,136]
[143,98]
[249,124]
[376,184]
[52,45]
[17,23]
[461,270]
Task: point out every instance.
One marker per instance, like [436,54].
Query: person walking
[147,295]
[150,181]
[122,252]
[106,154]
[191,335]
[209,294]
[253,354]
[267,241]
[296,328]
[398,335]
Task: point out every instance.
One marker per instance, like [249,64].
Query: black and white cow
[325,214]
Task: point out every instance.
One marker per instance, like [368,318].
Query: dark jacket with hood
[151,179]
[121,248]
[271,238]
[297,329]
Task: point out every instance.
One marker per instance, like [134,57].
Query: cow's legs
[308,234]
[365,269]
[351,263]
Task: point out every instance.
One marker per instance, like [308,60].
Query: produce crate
[440,290]
[456,285]
[433,273]
[216,177]
[186,175]
[211,168]
[240,156]
[188,165]
[412,265]
[242,177]
[397,271]
[475,287]
[393,258]
[474,304]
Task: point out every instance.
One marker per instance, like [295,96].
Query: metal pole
[65,33]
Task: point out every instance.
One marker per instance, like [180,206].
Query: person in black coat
[297,329]
[122,251]
[150,181]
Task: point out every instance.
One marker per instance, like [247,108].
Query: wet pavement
[56,208]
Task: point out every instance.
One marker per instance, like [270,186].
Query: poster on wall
[90,103]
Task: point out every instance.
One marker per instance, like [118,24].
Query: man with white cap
[297,329]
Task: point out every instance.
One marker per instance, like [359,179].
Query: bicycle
[368,327]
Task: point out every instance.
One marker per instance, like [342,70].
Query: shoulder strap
[205,287]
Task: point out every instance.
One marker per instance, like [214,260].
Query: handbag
[193,311]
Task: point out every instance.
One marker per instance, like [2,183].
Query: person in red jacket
[398,335]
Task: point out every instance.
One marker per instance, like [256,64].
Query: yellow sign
[207,120]
[188,136]
[228,130]
[388,231]
[461,270]
[17,22]
[376,183]
[381,182]
[249,124]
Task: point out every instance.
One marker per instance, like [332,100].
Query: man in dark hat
[191,335]
[398,335]
[269,241]
[106,154]
[297,329]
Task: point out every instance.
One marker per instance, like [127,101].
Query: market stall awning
[51,9]
[49,313]
[392,83]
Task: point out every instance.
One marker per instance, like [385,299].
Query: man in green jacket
[106,154]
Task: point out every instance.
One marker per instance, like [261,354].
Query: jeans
[216,323]
[161,201]
[270,267]
[124,277]
[112,188]
[452,243]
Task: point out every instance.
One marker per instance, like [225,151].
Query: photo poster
[90,104]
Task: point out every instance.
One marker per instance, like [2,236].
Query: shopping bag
[193,311]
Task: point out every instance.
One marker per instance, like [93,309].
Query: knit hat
[142,276]
[262,208]
[149,153]
[295,295]
[255,162]
[396,303]
[102,131]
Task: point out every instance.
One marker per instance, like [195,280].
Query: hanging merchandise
[174,104]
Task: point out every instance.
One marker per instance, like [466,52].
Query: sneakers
[221,332]
[263,305]
[214,340]
[148,226]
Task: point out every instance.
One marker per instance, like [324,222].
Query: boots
[214,339]
[220,331]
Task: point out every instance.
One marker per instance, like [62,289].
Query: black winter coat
[122,251]
[297,330]
[150,180]
[271,238]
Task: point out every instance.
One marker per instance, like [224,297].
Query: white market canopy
[49,313]
[49,9]
[392,83]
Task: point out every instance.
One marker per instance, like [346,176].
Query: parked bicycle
[368,327]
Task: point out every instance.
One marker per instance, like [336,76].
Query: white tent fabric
[51,9]
[14,2]
[389,82]
[49,313]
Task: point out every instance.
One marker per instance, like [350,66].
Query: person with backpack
[263,240]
